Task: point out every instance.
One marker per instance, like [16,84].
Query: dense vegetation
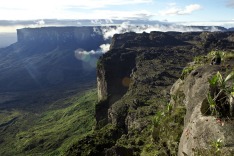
[50,132]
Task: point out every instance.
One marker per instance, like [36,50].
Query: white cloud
[81,54]
[40,22]
[226,24]
[190,8]
[104,48]
[128,15]
[108,32]
[174,10]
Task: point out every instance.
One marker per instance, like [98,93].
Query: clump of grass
[167,129]
[220,95]
[186,71]
[216,148]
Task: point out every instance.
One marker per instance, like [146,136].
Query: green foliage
[216,53]
[169,108]
[220,93]
[200,59]
[168,124]
[96,142]
[186,71]
[217,145]
[212,105]
[167,130]
[157,118]
[229,77]
[228,56]
[214,80]
[215,149]
[99,63]
[53,131]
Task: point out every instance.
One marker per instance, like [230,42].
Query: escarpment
[113,79]
[134,79]
[143,64]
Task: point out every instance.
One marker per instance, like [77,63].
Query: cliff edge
[134,78]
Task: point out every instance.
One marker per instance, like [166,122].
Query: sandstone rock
[200,130]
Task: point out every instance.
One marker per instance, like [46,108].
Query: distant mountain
[231,29]
[49,57]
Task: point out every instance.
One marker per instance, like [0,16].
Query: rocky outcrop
[152,39]
[202,131]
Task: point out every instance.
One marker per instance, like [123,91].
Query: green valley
[49,132]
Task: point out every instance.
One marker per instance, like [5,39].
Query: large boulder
[202,131]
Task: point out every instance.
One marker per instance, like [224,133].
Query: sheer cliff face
[88,38]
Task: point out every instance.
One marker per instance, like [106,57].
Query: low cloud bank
[102,49]
[89,58]
[108,32]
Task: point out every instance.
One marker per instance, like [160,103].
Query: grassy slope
[50,132]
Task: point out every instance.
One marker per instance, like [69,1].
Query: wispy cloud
[226,24]
[129,15]
[173,9]
[108,32]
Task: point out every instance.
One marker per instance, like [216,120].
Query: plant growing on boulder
[186,71]
[220,97]
[169,108]
[217,58]
[217,145]
[212,104]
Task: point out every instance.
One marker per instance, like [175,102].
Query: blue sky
[33,13]
[172,10]
[182,11]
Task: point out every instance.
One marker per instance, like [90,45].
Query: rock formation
[76,37]
[201,131]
